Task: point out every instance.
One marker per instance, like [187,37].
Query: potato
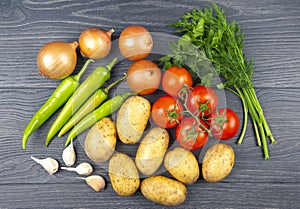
[163,190]
[182,165]
[217,162]
[151,150]
[132,119]
[123,174]
[100,142]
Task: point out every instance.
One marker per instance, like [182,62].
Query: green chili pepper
[60,95]
[91,104]
[106,109]
[94,81]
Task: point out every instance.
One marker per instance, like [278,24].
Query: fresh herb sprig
[210,46]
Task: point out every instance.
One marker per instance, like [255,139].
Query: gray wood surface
[272,39]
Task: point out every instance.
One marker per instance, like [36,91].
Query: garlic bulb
[49,164]
[96,182]
[69,155]
[82,169]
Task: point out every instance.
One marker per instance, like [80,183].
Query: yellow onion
[135,42]
[57,59]
[143,77]
[95,43]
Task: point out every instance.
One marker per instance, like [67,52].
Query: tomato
[167,112]
[173,80]
[202,100]
[225,123]
[190,135]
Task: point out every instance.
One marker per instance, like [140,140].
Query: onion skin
[135,42]
[95,43]
[143,77]
[57,59]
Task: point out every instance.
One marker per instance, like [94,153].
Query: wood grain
[70,195]
[272,39]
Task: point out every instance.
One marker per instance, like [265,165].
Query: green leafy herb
[210,47]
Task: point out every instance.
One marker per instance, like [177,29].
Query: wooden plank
[271,41]
[18,106]
[204,195]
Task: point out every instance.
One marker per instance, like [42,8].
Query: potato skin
[218,162]
[163,190]
[123,174]
[132,119]
[182,165]
[100,142]
[151,151]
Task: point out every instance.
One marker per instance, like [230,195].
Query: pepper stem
[115,83]
[83,69]
[111,64]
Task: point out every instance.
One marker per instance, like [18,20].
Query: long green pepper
[93,82]
[91,104]
[106,109]
[60,95]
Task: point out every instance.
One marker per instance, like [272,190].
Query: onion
[143,77]
[135,42]
[57,60]
[95,43]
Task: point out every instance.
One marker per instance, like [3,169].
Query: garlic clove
[69,155]
[96,182]
[82,169]
[49,164]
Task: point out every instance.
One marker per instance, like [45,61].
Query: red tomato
[202,100]
[225,123]
[167,112]
[190,135]
[173,80]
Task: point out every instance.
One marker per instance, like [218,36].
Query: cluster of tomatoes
[192,110]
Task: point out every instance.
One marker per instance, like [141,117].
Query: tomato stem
[198,121]
[183,96]
[192,134]
[173,115]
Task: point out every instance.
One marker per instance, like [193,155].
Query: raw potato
[217,162]
[132,119]
[182,165]
[163,190]
[151,150]
[100,142]
[123,174]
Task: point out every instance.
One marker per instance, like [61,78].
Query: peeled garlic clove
[49,164]
[95,182]
[82,169]
[69,155]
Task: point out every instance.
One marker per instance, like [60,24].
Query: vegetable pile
[187,108]
[192,110]
[215,40]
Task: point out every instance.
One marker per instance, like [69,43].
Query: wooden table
[272,39]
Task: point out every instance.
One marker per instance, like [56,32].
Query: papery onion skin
[135,42]
[143,77]
[57,59]
[95,43]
